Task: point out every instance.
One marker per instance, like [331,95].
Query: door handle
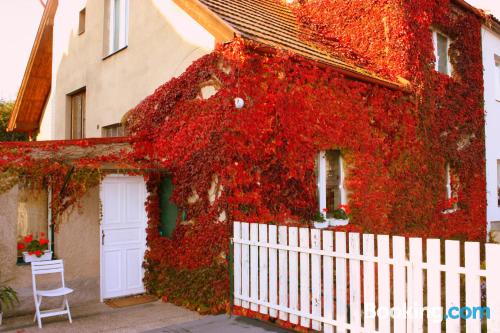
[102,237]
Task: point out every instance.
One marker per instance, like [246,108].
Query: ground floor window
[33,227]
[331,175]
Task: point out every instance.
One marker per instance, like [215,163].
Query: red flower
[30,253]
[345,208]
[38,253]
[28,239]
[44,241]
[20,246]
[42,234]
[325,210]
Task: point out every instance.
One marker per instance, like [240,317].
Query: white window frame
[498,183]
[449,190]
[436,53]
[322,183]
[124,26]
[497,78]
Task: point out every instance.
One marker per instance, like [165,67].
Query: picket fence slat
[354,283]
[493,287]
[416,288]
[339,282]
[472,285]
[368,283]
[273,271]
[328,280]
[305,304]
[452,282]
[433,285]
[384,290]
[399,254]
[245,269]
[293,240]
[263,268]
[283,272]
[316,278]
[237,262]
[254,262]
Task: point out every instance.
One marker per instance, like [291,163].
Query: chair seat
[54,292]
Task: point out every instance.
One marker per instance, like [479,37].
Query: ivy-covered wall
[396,143]
[257,164]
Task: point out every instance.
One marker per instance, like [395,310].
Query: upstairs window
[118,25]
[330,175]
[113,131]
[81,21]
[77,115]
[497,78]
[441,52]
[498,182]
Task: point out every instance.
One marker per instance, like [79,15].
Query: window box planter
[47,255]
[321,225]
[338,222]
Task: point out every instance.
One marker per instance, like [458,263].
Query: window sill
[114,52]
[449,211]
[331,223]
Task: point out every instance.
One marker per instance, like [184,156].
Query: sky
[19,21]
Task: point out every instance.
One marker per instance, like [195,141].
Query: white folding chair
[49,267]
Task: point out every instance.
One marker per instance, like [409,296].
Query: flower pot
[338,222]
[321,225]
[47,255]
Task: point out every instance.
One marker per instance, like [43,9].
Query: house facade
[261,119]
[491,61]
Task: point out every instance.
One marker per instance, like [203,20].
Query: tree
[5,112]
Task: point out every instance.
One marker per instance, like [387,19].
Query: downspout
[49,217]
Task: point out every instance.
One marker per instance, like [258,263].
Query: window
[441,52]
[497,78]
[33,215]
[81,22]
[113,131]
[78,115]
[330,174]
[118,25]
[498,182]
[451,204]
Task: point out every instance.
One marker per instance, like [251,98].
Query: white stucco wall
[162,42]
[491,47]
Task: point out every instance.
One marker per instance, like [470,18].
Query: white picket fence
[335,282]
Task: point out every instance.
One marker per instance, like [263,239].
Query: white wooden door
[123,236]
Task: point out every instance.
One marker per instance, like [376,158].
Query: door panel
[123,235]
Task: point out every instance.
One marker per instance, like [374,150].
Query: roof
[36,84]
[489,20]
[270,23]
